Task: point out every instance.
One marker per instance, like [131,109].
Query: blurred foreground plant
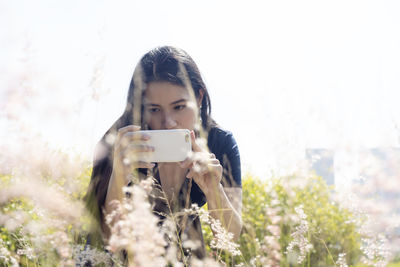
[288,221]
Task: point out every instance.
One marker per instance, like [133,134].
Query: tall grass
[288,221]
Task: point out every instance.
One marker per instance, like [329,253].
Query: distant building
[379,166]
[322,162]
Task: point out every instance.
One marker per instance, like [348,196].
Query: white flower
[299,236]
[223,239]
[341,261]
[83,255]
[137,232]
[375,250]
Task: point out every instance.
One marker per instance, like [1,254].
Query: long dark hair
[165,64]
[162,64]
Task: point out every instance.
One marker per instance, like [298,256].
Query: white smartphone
[169,145]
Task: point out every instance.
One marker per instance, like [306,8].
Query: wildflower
[167,230]
[83,255]
[5,255]
[375,250]
[202,213]
[147,184]
[341,261]
[299,236]
[28,252]
[253,261]
[137,231]
[223,239]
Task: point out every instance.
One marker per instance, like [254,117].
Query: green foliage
[331,230]
[20,213]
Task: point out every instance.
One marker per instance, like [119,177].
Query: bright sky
[283,75]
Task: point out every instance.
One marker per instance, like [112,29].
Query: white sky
[282,75]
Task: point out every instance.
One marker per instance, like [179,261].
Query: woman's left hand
[204,167]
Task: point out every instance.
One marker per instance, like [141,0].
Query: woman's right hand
[129,147]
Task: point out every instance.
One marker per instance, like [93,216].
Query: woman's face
[169,106]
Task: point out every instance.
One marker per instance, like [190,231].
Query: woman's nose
[169,121]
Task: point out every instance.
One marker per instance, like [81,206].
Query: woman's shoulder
[219,133]
[221,142]
[218,136]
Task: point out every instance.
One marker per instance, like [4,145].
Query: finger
[124,131]
[136,136]
[204,156]
[205,169]
[195,168]
[215,161]
[132,152]
[202,167]
[129,128]
[186,163]
[199,161]
[133,137]
[195,146]
[211,168]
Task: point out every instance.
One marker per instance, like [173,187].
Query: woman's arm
[224,204]
[226,209]
[122,167]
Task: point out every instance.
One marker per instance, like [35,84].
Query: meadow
[316,73]
[295,220]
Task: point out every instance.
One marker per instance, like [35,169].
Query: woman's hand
[206,171]
[129,147]
[204,168]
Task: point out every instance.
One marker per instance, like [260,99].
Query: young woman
[168,92]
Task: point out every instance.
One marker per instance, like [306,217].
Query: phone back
[170,145]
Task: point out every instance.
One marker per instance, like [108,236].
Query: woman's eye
[153,110]
[180,107]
